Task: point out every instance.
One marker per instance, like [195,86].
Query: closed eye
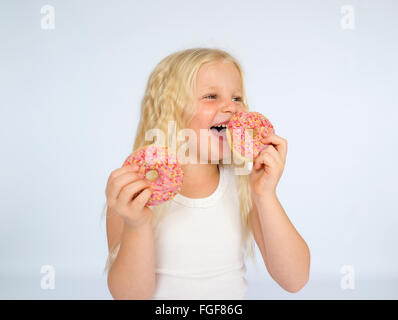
[213,96]
[210,95]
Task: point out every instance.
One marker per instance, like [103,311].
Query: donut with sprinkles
[161,169]
[244,134]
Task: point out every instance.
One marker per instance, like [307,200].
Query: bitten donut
[245,143]
[162,169]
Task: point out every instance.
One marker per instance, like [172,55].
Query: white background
[70,102]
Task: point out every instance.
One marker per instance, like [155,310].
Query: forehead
[213,75]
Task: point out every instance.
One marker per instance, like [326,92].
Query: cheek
[202,119]
[204,115]
[241,108]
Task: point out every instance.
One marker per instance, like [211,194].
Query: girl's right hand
[127,192]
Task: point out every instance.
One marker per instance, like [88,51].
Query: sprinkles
[244,134]
[164,170]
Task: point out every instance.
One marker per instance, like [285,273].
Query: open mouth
[218,130]
[219,127]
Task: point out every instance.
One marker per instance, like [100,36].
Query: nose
[229,107]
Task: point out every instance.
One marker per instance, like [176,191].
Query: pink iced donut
[162,169]
[245,143]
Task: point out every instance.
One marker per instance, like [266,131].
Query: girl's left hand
[268,166]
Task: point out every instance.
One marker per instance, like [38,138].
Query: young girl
[193,246]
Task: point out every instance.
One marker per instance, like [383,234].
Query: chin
[218,156]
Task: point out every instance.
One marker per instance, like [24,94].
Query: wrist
[139,225]
[266,197]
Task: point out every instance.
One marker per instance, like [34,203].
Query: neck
[200,180]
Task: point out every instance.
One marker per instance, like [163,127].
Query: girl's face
[218,97]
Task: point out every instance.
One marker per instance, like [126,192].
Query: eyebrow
[215,88]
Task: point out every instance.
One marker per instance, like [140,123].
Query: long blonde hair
[168,96]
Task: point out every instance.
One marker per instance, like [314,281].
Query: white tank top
[199,249]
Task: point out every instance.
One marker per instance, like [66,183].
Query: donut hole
[151,175]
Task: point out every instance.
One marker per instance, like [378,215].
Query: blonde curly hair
[168,94]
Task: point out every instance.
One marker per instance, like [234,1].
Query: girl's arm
[285,253]
[132,274]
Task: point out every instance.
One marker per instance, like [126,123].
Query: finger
[273,152]
[124,169]
[266,159]
[279,143]
[131,190]
[141,200]
[116,173]
[267,132]
[116,184]
[258,161]
[269,160]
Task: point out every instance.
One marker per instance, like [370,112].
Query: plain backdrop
[70,99]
